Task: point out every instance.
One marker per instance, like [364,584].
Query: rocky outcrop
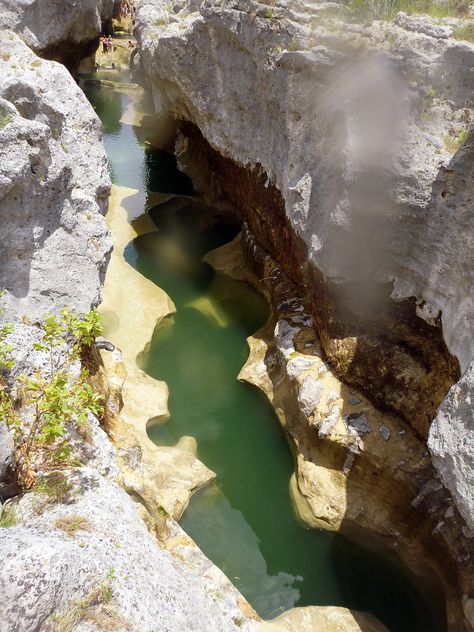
[92,561]
[348,150]
[54,187]
[164,478]
[63,30]
[451,445]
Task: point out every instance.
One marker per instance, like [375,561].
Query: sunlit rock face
[57,29]
[451,446]
[112,547]
[347,147]
[54,186]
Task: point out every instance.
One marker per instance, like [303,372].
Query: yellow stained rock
[132,307]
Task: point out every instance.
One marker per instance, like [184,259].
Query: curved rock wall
[362,137]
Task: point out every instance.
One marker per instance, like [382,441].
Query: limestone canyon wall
[358,139]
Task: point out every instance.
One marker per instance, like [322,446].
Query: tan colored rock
[358,470]
[324,619]
[133,306]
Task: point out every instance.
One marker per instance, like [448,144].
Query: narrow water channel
[245,522]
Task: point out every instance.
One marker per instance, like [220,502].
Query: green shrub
[7,518]
[5,118]
[55,486]
[452,144]
[56,397]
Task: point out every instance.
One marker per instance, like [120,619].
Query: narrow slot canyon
[235,339]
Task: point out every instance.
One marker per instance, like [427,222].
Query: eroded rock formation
[349,150]
[63,30]
[77,551]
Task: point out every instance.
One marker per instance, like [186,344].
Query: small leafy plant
[53,397]
[269,12]
[6,360]
[5,118]
[55,486]
[452,144]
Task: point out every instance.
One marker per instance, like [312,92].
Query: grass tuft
[7,518]
[388,9]
[465,33]
[72,524]
[96,607]
[55,486]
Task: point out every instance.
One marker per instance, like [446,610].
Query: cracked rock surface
[54,186]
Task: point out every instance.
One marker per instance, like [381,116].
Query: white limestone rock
[54,186]
[45,570]
[309,394]
[423,24]
[345,137]
[43,25]
[451,443]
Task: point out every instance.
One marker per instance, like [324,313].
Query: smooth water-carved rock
[355,465]
[63,30]
[327,620]
[54,186]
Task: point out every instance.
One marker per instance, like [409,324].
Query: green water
[245,523]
